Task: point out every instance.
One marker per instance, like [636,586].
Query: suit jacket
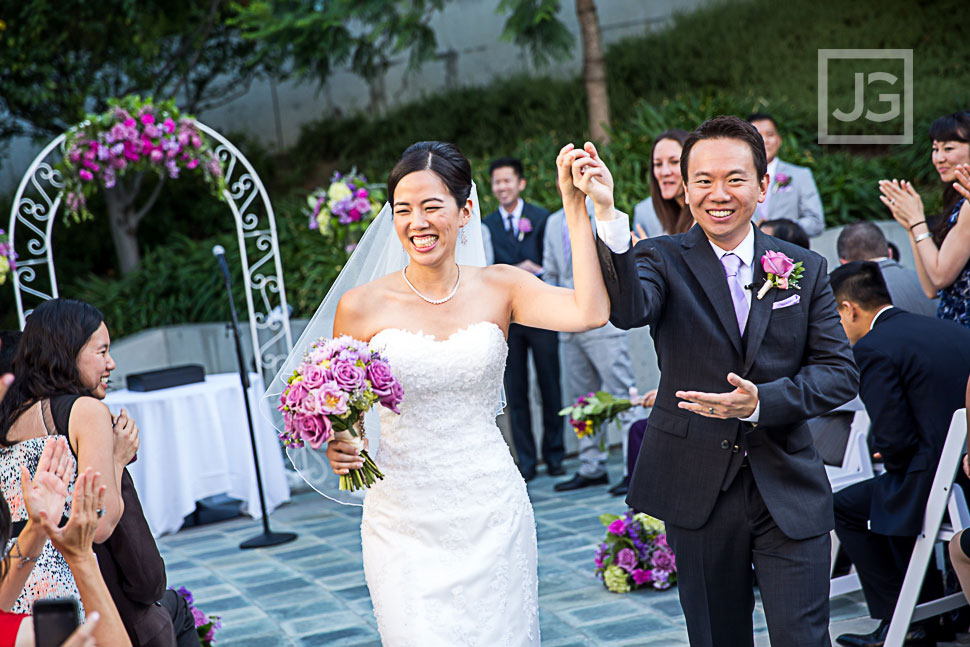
[506,247]
[556,271]
[797,355]
[905,289]
[914,372]
[798,200]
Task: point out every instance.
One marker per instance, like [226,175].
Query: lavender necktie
[731,263]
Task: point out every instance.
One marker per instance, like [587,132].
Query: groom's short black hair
[862,283]
[762,116]
[727,127]
[510,162]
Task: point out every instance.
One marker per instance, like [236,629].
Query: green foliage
[535,25]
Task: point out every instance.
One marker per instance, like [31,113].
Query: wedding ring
[892,200]
[100,512]
[710,411]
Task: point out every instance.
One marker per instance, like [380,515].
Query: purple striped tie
[731,263]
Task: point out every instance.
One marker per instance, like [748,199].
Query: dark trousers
[635,440]
[182,620]
[544,345]
[715,583]
[880,560]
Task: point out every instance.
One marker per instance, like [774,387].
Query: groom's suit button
[725,444]
[735,449]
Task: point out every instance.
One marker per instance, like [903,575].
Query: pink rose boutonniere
[782,271]
[524,227]
[782,183]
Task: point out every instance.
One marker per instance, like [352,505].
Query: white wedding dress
[449,539]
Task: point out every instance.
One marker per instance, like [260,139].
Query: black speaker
[165,378]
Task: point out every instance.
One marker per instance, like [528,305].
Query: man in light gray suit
[792,193]
[591,361]
[864,241]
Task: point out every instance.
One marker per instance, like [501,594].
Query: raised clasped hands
[904,203]
[582,173]
[962,185]
[739,403]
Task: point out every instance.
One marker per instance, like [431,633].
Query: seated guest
[941,246]
[913,374]
[591,361]
[786,230]
[864,241]
[62,365]
[665,211]
[792,193]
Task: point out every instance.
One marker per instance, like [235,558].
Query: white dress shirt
[873,322]
[615,234]
[516,215]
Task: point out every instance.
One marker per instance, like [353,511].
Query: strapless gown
[449,538]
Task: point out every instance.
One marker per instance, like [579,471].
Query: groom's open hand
[739,403]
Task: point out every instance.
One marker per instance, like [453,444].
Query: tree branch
[152,198]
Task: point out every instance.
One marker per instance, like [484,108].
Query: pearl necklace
[433,302]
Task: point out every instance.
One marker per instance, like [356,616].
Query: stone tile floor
[312,591]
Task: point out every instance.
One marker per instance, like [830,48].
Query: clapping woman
[941,248]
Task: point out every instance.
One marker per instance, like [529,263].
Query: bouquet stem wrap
[365,476]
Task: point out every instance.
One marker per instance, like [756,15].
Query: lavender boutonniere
[524,227]
[782,182]
[783,272]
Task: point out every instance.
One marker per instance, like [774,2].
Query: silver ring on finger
[710,411]
[100,512]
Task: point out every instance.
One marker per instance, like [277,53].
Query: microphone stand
[267,537]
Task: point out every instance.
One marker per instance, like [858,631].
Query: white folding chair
[944,497]
[856,467]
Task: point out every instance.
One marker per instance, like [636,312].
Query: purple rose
[662,540]
[381,379]
[663,560]
[313,376]
[626,559]
[525,226]
[295,395]
[347,375]
[316,430]
[394,398]
[618,527]
[641,576]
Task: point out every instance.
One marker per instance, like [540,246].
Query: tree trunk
[124,227]
[594,71]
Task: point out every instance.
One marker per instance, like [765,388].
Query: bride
[448,536]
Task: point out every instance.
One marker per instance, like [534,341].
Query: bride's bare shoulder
[356,309]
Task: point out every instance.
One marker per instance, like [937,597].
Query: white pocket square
[784,303]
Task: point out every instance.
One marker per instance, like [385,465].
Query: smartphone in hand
[55,620]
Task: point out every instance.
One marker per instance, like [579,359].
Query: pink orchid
[777,263]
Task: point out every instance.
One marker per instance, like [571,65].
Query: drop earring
[464,237]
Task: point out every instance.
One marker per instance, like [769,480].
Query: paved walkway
[312,591]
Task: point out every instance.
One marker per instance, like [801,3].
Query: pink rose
[777,263]
[295,395]
[130,123]
[641,576]
[316,430]
[169,126]
[524,225]
[332,399]
[86,175]
[156,156]
[313,376]
[381,379]
[394,398]
[618,527]
[347,375]
[148,118]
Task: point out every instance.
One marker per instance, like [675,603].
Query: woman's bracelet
[914,226]
[923,236]
[24,559]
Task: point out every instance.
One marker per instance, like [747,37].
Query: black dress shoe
[579,481]
[555,470]
[621,488]
[528,475]
[917,636]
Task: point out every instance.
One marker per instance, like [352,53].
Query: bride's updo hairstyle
[442,159]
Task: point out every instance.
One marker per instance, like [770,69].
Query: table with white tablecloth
[195,444]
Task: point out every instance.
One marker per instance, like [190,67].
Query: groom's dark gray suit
[734,493]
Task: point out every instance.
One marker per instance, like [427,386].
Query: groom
[727,460]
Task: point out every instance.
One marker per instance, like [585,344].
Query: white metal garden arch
[35,208]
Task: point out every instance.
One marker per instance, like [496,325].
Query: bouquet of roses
[635,554]
[205,625]
[347,202]
[327,395]
[592,410]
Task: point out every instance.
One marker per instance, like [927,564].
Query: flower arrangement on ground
[8,258]
[133,136]
[205,625]
[345,207]
[327,395]
[592,410]
[635,554]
